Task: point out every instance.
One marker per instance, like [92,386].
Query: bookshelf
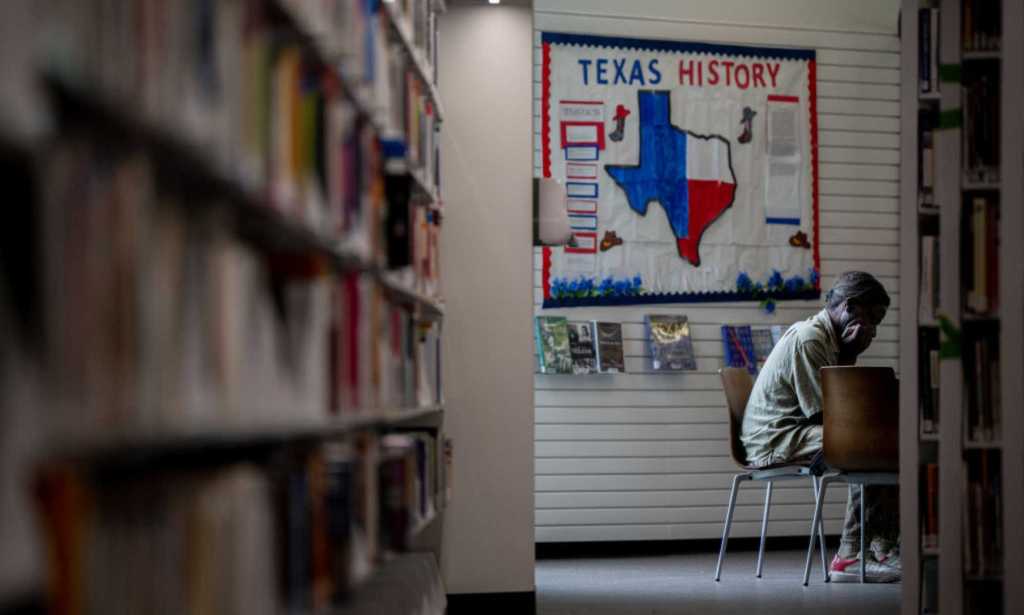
[241,313]
[976,151]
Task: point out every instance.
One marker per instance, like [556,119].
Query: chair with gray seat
[738,383]
[861,421]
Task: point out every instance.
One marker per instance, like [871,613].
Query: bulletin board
[690,171]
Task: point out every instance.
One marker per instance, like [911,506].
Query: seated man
[782,422]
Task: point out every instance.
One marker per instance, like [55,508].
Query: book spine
[923,50]
[541,363]
[979,234]
[933,50]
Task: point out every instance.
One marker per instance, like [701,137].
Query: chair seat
[798,462]
[783,464]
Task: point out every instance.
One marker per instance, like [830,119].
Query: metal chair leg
[764,528]
[736,480]
[815,524]
[863,545]
[821,532]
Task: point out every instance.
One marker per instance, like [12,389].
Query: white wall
[645,456]
[488,357]
[865,16]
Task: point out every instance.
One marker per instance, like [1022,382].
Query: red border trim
[786,99]
[545,271]
[812,78]
[591,234]
[565,138]
[545,119]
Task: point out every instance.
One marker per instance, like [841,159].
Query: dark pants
[882,532]
[881,507]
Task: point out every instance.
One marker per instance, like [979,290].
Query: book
[671,348]
[610,356]
[930,521]
[552,335]
[927,121]
[924,35]
[738,345]
[928,379]
[764,342]
[582,348]
[930,586]
[928,296]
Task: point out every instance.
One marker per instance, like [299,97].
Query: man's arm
[809,358]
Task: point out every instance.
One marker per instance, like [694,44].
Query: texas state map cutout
[690,175]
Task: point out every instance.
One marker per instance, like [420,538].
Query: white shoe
[845,570]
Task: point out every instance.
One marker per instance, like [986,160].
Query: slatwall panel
[645,456]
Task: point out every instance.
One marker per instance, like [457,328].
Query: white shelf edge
[975,445]
[220,433]
[972,186]
[987,54]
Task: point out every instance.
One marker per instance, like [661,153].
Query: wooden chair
[861,437]
[737,384]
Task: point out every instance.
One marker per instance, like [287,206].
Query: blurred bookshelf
[223,371]
[970,363]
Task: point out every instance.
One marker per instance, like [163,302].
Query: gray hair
[859,286]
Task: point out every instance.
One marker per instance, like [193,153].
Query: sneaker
[885,552]
[843,570]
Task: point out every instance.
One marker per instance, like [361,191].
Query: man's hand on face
[859,325]
[856,338]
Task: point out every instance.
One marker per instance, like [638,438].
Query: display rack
[384,443]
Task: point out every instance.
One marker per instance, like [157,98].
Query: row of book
[930,586]
[297,534]
[929,506]
[381,354]
[238,82]
[413,120]
[589,347]
[979,250]
[157,314]
[417,16]
[983,517]
[980,345]
[928,50]
[927,123]
[578,347]
[981,122]
[928,379]
[981,25]
[748,347]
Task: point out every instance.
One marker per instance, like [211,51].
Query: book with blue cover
[738,344]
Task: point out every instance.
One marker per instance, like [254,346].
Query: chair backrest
[737,383]
[861,418]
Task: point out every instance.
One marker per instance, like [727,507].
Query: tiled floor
[683,584]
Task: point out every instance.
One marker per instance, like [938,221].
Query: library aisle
[671,583]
